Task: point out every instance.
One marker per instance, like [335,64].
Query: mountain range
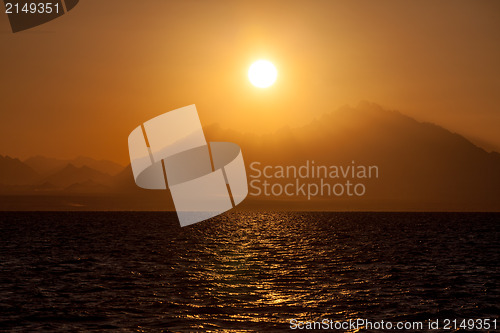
[421,166]
[46,166]
[45,174]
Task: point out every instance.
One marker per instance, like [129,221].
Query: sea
[248,272]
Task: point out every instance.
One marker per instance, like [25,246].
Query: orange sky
[79,84]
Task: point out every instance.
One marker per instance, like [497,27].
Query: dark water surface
[243,271]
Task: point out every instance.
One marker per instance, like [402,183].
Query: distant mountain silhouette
[71,175]
[104,166]
[124,181]
[15,172]
[46,165]
[422,167]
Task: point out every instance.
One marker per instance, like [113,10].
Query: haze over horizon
[123,161]
[79,84]
[419,167]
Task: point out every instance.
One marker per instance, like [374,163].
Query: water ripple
[243,271]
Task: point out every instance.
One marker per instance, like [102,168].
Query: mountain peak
[47,166]
[15,172]
[72,174]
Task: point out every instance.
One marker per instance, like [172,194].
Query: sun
[262,74]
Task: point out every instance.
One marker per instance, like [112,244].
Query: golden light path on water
[244,271]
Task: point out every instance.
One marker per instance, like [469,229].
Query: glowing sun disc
[262,74]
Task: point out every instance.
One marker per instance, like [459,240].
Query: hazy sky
[79,84]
